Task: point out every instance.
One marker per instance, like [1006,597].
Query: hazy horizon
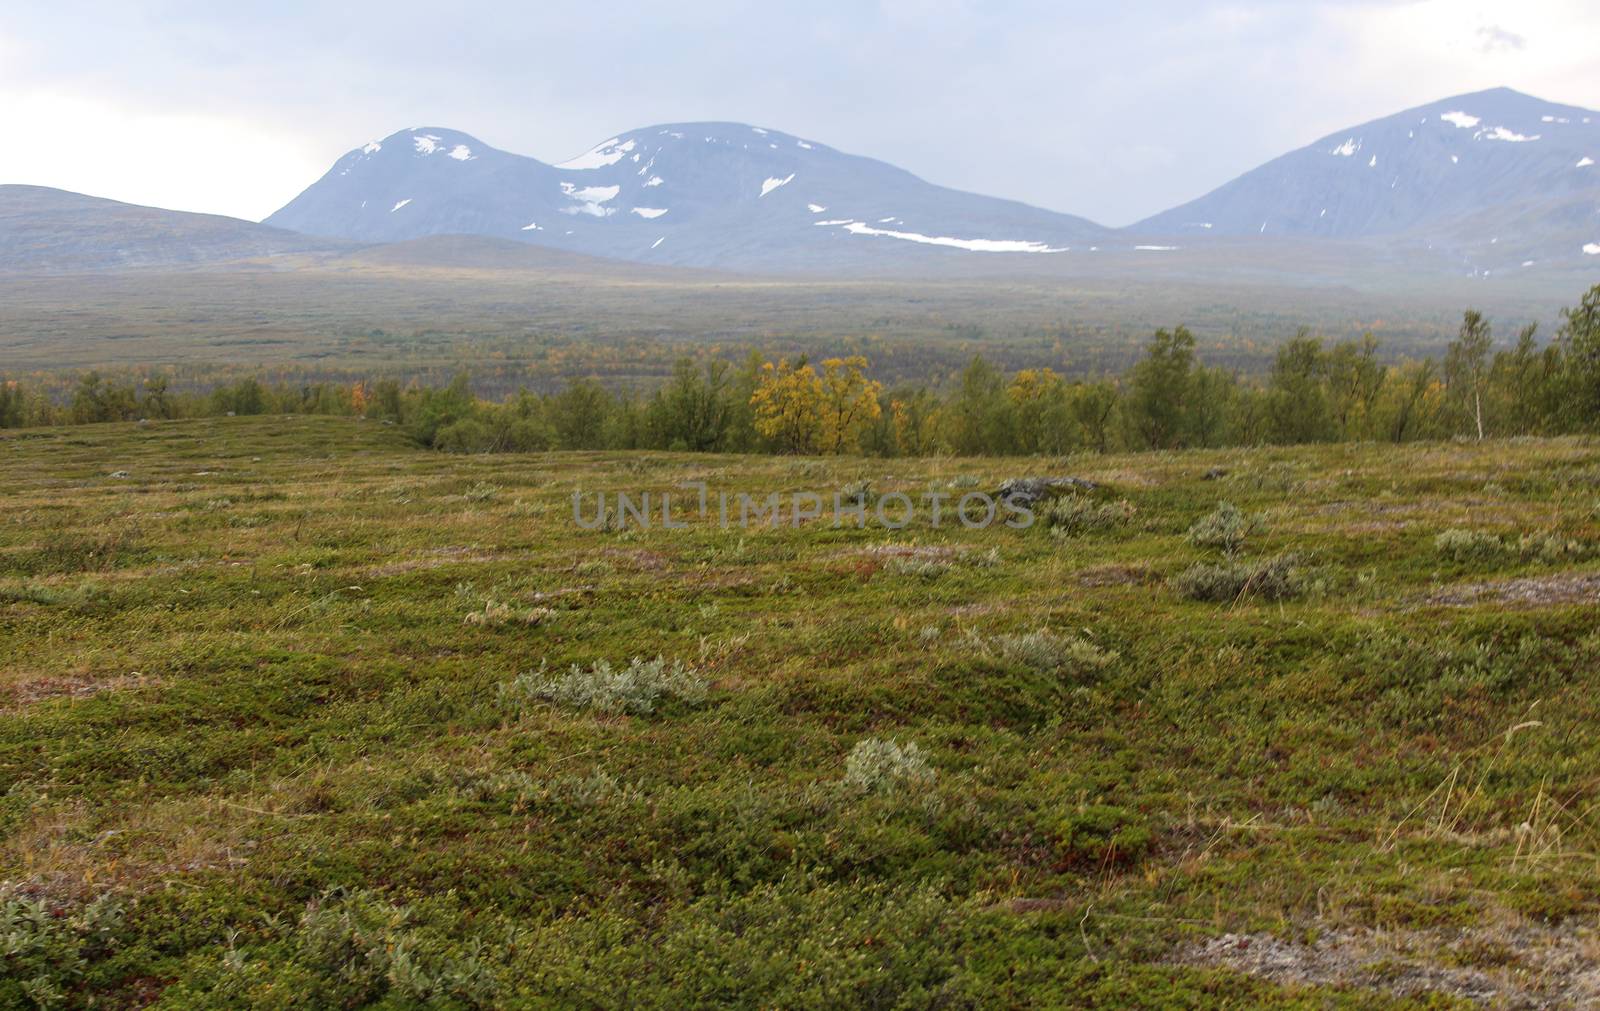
[1112,115]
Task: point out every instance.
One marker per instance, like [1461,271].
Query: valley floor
[293,714]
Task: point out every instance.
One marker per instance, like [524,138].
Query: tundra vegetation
[295,713]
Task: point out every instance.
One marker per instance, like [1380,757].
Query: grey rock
[1028,490]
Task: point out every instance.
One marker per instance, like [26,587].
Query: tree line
[1315,391]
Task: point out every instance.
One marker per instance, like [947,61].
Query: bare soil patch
[1522,967]
[1533,591]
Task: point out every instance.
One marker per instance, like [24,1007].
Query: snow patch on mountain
[1501,133]
[1592,249]
[971,245]
[589,199]
[649,212]
[401,204]
[773,183]
[1585,162]
[609,153]
[815,208]
[426,143]
[372,147]
[1347,149]
[462,152]
[1461,120]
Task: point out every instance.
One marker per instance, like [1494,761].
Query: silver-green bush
[1226,528]
[634,689]
[1072,515]
[1044,650]
[1469,545]
[1270,579]
[880,765]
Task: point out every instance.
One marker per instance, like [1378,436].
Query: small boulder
[1028,490]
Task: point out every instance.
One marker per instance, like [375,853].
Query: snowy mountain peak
[1488,180]
[1493,168]
[726,194]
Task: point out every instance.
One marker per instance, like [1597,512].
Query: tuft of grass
[1269,579]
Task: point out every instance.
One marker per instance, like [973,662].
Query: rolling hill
[45,230]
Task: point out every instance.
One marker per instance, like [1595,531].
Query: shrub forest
[1315,391]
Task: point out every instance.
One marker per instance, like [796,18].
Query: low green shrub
[1099,836]
[46,950]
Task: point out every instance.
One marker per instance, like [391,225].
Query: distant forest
[1315,391]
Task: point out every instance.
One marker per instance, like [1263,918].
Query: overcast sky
[1113,111]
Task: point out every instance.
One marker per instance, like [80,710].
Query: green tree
[694,411]
[1159,388]
[1466,363]
[578,414]
[1298,399]
[1580,343]
[1410,413]
[1044,421]
[1094,406]
[438,409]
[1354,382]
[979,417]
[1211,407]
[1523,383]
[13,410]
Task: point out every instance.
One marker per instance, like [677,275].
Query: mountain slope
[709,194]
[1494,168]
[45,230]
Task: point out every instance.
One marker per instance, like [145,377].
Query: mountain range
[704,194]
[1493,182]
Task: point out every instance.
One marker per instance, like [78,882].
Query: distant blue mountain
[1479,182]
[1492,183]
[1497,176]
[716,194]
